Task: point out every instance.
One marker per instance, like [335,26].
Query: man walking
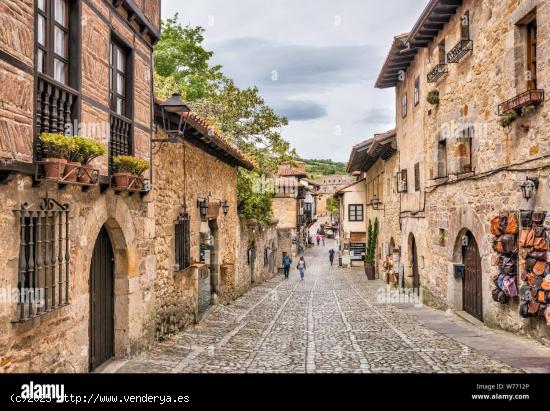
[287,262]
[318,240]
[302,266]
[331,256]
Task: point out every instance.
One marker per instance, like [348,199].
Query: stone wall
[58,341]
[448,206]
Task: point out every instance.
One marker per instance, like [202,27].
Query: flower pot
[71,171]
[369,271]
[85,174]
[54,167]
[122,180]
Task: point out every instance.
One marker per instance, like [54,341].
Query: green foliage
[508,119]
[130,164]
[333,205]
[372,240]
[182,61]
[317,168]
[433,97]
[183,65]
[73,149]
[56,145]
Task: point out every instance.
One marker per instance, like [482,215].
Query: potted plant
[55,150]
[128,168]
[508,119]
[73,158]
[88,151]
[371,249]
[433,97]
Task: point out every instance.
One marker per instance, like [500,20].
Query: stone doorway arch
[109,259]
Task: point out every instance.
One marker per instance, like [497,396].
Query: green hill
[317,168]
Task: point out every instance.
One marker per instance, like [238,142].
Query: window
[442,54]
[404,105]
[356,212]
[532,54]
[44,260]
[182,242]
[118,67]
[52,36]
[402,181]
[266,257]
[465,26]
[465,150]
[442,159]
[417,177]
[417,91]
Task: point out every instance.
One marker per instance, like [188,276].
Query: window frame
[442,162]
[404,104]
[417,91]
[357,208]
[118,45]
[402,177]
[72,36]
[417,177]
[531,28]
[182,243]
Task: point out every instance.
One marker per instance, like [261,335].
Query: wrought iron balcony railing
[462,48]
[120,141]
[437,72]
[528,98]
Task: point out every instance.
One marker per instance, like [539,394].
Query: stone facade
[468,166]
[59,340]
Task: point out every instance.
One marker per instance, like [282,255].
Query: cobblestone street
[330,322]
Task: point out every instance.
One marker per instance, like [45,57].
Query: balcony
[55,109]
[526,99]
[83,176]
[462,48]
[437,72]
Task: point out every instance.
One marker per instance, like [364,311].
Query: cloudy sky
[314,61]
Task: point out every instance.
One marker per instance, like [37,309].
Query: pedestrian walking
[323,237]
[331,256]
[302,267]
[318,240]
[287,262]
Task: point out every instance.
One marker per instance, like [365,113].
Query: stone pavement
[328,323]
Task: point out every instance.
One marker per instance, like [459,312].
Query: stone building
[328,185]
[463,74]
[353,226]
[293,208]
[88,246]
[376,159]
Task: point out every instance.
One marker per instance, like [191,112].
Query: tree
[181,60]
[183,65]
[372,240]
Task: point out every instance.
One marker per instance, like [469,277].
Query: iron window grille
[44,259]
[462,48]
[437,72]
[183,242]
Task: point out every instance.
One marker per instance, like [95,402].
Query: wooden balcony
[56,109]
[526,99]
[437,72]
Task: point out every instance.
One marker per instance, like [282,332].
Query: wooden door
[102,301]
[472,285]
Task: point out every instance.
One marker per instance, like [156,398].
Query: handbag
[512,225]
[524,310]
[510,287]
[527,238]
[495,227]
[538,217]
[534,307]
[525,218]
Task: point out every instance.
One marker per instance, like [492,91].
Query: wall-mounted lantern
[202,205]
[225,207]
[174,105]
[528,187]
[375,201]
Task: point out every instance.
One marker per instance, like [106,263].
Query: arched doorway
[472,295]
[209,275]
[414,263]
[102,318]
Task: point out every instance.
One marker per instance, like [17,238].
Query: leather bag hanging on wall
[525,218]
[527,238]
[538,217]
[495,227]
[512,225]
